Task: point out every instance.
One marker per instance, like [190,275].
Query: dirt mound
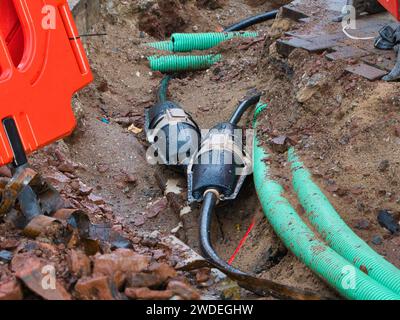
[160,18]
[346,130]
[124,86]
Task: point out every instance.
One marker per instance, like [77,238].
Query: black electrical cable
[210,200]
[163,89]
[243,106]
[243,24]
[261,287]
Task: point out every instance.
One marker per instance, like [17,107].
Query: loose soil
[347,131]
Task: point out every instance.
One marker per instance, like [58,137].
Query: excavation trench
[110,144]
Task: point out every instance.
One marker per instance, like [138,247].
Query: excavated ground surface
[345,129]
[209,96]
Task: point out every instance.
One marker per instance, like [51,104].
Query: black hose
[261,287]
[243,106]
[207,211]
[252,21]
[163,89]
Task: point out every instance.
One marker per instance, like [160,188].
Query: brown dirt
[342,133]
[345,132]
[125,86]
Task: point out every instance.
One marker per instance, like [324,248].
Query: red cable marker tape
[242,242]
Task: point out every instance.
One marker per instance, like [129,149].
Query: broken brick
[279,144]
[285,47]
[65,214]
[31,271]
[366,71]
[291,11]
[148,294]
[44,226]
[203,275]
[155,209]
[139,220]
[10,290]
[384,61]
[346,52]
[163,270]
[67,167]
[140,280]
[5,172]
[97,288]
[120,264]
[96,199]
[79,263]
[183,290]
[57,178]
[84,189]
[158,254]
[9,244]
[316,45]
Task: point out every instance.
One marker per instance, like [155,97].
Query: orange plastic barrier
[393,6]
[42,64]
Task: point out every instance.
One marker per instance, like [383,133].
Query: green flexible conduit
[182,63]
[336,232]
[162,45]
[185,42]
[299,238]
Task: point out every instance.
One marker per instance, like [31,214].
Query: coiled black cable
[243,24]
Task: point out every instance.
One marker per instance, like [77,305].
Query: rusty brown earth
[345,128]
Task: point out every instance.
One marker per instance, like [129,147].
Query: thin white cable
[353,37]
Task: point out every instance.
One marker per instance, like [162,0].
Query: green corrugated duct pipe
[349,281]
[162,45]
[336,232]
[182,63]
[185,42]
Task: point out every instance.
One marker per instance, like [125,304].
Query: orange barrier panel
[42,64]
[393,6]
